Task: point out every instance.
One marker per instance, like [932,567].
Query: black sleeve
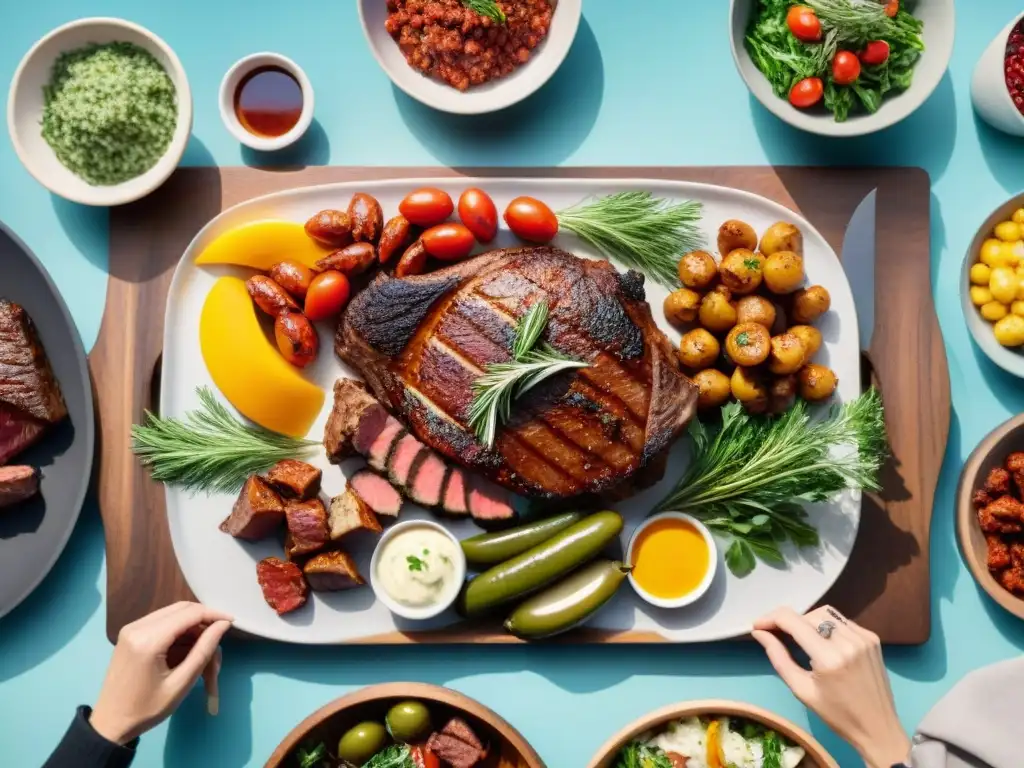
[82,747]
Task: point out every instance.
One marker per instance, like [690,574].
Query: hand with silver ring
[847,685]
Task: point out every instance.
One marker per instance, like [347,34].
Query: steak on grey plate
[420,342]
[17,484]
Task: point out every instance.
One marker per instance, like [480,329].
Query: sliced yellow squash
[262,244]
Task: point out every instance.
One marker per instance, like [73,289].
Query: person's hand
[847,685]
[156,662]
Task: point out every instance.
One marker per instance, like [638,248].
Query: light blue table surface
[651,86]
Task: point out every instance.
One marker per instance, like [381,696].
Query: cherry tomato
[327,295]
[845,68]
[876,52]
[427,206]
[803,22]
[448,242]
[892,8]
[422,757]
[477,211]
[807,92]
[531,220]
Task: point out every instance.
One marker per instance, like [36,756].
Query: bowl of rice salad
[100,111]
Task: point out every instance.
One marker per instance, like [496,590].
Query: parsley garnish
[415,564]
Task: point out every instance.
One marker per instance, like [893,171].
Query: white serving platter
[221,570]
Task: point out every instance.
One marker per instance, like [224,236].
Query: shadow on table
[543,130]
[1002,154]
[314,148]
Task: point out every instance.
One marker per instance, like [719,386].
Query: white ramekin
[705,584]
[229,85]
[989,94]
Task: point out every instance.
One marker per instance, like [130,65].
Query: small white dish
[705,584]
[229,85]
[938,17]
[25,111]
[989,94]
[410,611]
[492,96]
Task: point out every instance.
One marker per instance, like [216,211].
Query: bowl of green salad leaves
[100,111]
[842,67]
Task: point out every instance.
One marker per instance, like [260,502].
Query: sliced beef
[258,512]
[18,431]
[355,421]
[376,493]
[349,514]
[17,484]
[487,502]
[453,501]
[405,460]
[26,379]
[295,479]
[379,451]
[284,587]
[332,571]
[454,752]
[307,527]
[427,482]
[460,729]
[421,341]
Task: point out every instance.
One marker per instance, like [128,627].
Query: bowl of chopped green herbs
[100,111]
[842,67]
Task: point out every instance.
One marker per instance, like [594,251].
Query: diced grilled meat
[258,512]
[295,479]
[421,341]
[349,514]
[284,587]
[307,526]
[981,498]
[17,484]
[376,493]
[454,752]
[332,571]
[460,729]
[997,483]
[356,420]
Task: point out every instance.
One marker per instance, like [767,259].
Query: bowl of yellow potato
[993,287]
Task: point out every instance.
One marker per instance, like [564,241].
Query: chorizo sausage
[269,296]
[366,217]
[296,338]
[351,260]
[395,237]
[330,227]
[413,260]
[293,277]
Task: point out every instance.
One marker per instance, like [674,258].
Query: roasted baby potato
[699,349]
[755,309]
[681,306]
[748,344]
[749,388]
[809,304]
[714,388]
[817,382]
[781,394]
[697,270]
[782,236]
[742,271]
[735,234]
[810,337]
[783,272]
[716,312]
[788,354]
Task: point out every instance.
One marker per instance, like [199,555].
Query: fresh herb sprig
[749,479]
[501,383]
[487,8]
[394,756]
[210,449]
[636,754]
[312,758]
[641,231]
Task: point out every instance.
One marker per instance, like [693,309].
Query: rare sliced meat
[26,379]
[487,502]
[460,729]
[404,461]
[307,527]
[17,484]
[427,482]
[258,512]
[284,587]
[295,479]
[355,421]
[376,493]
[379,451]
[332,571]
[349,514]
[454,752]
[18,431]
[453,501]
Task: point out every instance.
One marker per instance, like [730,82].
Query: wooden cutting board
[886,584]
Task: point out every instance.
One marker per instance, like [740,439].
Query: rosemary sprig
[638,229]
[750,479]
[487,8]
[210,449]
[501,383]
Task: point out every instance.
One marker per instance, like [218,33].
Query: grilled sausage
[413,260]
[269,296]
[296,338]
[395,237]
[366,216]
[293,277]
[330,227]
[351,260]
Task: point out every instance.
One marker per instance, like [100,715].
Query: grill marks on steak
[581,432]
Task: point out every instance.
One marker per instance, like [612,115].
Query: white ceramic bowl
[409,611]
[1011,360]
[229,85]
[989,93]
[938,17]
[25,111]
[489,97]
[690,597]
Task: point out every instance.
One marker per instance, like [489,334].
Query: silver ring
[835,615]
[826,628]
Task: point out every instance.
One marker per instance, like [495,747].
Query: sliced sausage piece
[366,216]
[395,237]
[376,493]
[296,338]
[17,484]
[284,587]
[413,261]
[332,571]
[428,480]
[293,277]
[351,260]
[331,228]
[402,461]
[307,526]
[258,512]
[349,514]
[295,479]
[270,297]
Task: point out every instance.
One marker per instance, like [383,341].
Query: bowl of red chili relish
[997,88]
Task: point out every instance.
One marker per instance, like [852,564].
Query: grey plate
[33,534]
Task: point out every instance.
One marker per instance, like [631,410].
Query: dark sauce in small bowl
[268,102]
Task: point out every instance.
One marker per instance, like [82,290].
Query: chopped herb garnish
[742,339]
[415,564]
[753,264]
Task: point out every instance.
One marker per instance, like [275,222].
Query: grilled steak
[295,479]
[257,513]
[420,342]
[332,571]
[17,484]
[460,729]
[349,514]
[307,527]
[284,587]
[30,398]
[376,493]
[356,420]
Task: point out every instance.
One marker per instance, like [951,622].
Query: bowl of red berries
[997,88]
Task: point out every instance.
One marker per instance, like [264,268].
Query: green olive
[362,742]
[408,721]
